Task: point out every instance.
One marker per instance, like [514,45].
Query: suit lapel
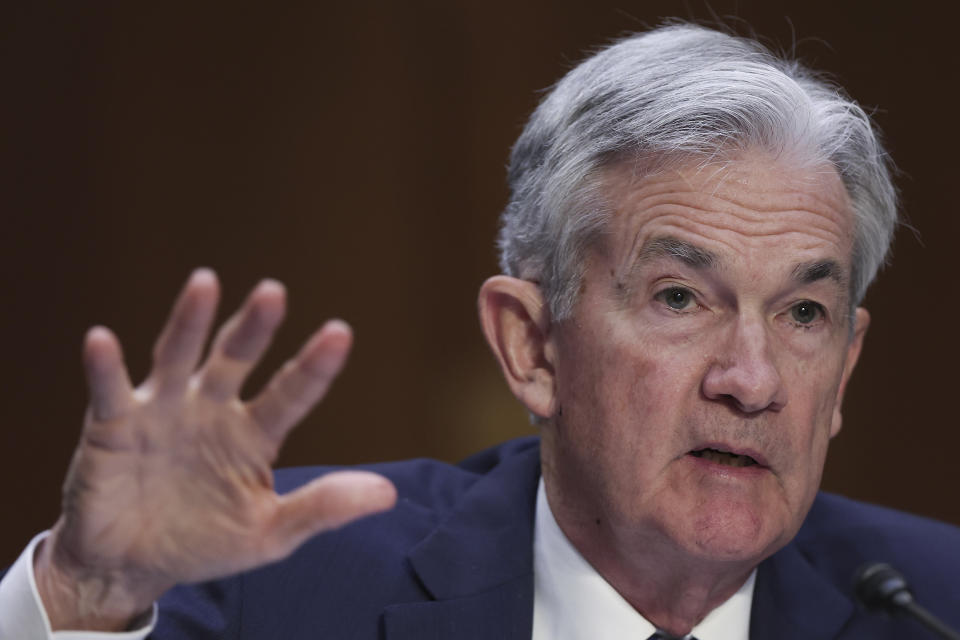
[478,563]
[792,601]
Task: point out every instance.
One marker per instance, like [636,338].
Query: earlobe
[861,324]
[516,322]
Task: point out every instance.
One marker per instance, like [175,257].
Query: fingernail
[338,325]
[203,273]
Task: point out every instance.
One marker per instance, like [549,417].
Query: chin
[732,535]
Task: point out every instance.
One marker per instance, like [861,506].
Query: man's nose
[744,372]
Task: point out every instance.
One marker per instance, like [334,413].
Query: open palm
[171,481]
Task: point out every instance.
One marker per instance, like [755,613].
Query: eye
[677,298]
[806,312]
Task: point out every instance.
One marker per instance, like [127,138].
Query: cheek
[601,390]
[810,413]
[814,389]
[630,399]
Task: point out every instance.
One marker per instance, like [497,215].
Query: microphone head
[880,587]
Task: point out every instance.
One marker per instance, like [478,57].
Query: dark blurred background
[357,152]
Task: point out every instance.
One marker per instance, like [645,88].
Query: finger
[107,379]
[302,381]
[179,346]
[242,340]
[327,503]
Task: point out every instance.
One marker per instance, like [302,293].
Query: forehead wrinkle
[733,179]
[733,185]
[748,201]
[820,185]
[758,212]
[813,224]
[816,212]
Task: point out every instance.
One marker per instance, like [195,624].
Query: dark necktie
[663,635]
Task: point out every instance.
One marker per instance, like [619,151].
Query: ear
[861,323]
[516,322]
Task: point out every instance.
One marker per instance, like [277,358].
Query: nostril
[732,401]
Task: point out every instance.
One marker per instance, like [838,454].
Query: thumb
[329,502]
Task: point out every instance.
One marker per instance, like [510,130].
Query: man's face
[699,378]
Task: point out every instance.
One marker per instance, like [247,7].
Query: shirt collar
[572,601]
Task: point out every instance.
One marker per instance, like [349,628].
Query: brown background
[357,153]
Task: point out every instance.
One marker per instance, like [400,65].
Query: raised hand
[171,481]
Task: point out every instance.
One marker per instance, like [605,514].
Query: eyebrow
[699,258]
[670,247]
[809,272]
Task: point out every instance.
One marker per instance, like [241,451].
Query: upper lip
[735,449]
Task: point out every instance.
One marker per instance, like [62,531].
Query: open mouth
[724,457]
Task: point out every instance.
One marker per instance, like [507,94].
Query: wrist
[78,596]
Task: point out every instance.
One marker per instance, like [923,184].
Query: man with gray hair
[692,226]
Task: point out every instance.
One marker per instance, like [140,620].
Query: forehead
[749,208]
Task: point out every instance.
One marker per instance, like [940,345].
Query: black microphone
[880,587]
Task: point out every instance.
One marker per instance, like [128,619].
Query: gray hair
[676,92]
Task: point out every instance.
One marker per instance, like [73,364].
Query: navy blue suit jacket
[454,560]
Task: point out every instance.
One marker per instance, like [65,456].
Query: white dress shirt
[571,601]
